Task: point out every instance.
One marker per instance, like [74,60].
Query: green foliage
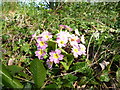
[38,71]
[68,60]
[68,80]
[82,67]
[118,76]
[13,69]
[8,80]
[104,76]
[52,45]
[25,47]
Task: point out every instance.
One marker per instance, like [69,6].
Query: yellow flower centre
[56,56]
[62,42]
[72,39]
[41,43]
[75,50]
[68,28]
[41,52]
[47,36]
[82,48]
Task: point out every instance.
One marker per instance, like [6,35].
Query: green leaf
[1,84]
[25,47]
[51,86]
[5,37]
[28,85]
[104,76]
[51,45]
[70,77]
[70,59]
[116,58]
[14,69]
[68,80]
[83,80]
[63,51]
[15,47]
[39,72]
[118,76]
[65,65]
[23,75]
[8,80]
[83,68]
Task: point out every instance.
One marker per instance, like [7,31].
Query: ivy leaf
[39,72]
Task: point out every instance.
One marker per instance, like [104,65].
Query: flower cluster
[42,43]
[63,40]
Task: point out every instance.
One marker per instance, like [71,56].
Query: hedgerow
[73,45]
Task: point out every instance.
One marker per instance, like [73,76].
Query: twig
[28,71]
[23,79]
[89,46]
[45,84]
[96,53]
[90,42]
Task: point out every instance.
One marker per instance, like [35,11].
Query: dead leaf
[103,64]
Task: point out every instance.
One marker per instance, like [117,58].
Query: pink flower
[49,63]
[41,43]
[62,42]
[82,49]
[76,51]
[65,27]
[74,40]
[63,35]
[68,28]
[82,39]
[33,36]
[40,53]
[62,26]
[46,35]
[77,32]
[55,56]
